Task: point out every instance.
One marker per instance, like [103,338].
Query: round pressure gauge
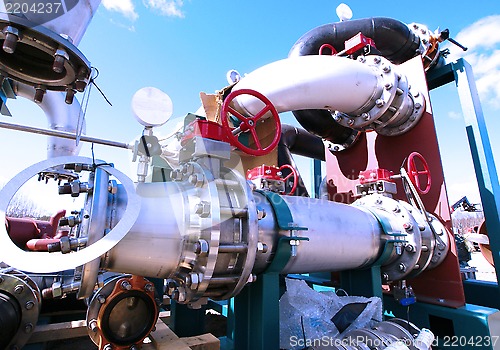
[151,106]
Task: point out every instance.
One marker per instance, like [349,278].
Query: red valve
[295,177]
[327,46]
[414,173]
[248,124]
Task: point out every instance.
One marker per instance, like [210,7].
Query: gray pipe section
[341,237]
[60,116]
[153,246]
[75,21]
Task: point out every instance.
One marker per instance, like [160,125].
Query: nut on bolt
[203,209]
[93,325]
[11,38]
[125,285]
[149,287]
[201,247]
[60,58]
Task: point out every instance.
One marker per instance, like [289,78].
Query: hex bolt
[203,209]
[376,59]
[365,116]
[380,103]
[201,247]
[402,267]
[261,214]
[418,105]
[101,299]
[386,69]
[18,289]
[125,285]
[81,80]
[408,226]
[93,325]
[350,122]
[410,248]
[108,347]
[133,347]
[39,93]
[70,95]
[385,276]
[60,58]
[29,305]
[11,39]
[28,328]
[149,288]
[388,86]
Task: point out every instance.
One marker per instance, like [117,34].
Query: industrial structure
[218,215]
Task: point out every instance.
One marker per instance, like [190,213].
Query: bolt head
[402,267]
[149,288]
[93,325]
[29,305]
[380,102]
[125,285]
[101,299]
[18,289]
[28,328]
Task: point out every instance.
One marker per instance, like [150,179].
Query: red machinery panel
[443,284]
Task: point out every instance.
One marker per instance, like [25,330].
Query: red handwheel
[248,124]
[295,177]
[414,173]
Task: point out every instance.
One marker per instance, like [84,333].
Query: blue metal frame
[482,155]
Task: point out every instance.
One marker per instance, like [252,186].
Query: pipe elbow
[393,38]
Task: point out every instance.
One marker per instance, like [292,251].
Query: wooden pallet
[163,338]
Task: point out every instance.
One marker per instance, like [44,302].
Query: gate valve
[204,128]
[415,174]
[271,178]
[376,181]
[243,124]
[358,44]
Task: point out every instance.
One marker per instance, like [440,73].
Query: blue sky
[184,47]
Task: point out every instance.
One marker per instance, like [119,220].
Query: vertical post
[482,155]
[186,322]
[316,178]
[366,283]
[257,314]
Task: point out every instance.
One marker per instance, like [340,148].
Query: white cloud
[125,7]
[170,8]
[455,115]
[483,40]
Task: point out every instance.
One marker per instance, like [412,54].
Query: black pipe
[393,39]
[10,319]
[301,142]
[298,141]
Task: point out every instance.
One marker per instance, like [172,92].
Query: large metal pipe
[60,116]
[395,41]
[311,82]
[75,21]
[367,94]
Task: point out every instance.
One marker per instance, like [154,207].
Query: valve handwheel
[414,173]
[248,124]
[295,177]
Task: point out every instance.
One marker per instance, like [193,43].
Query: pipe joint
[393,108]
